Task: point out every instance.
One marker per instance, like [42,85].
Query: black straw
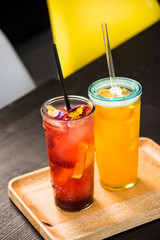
[61,76]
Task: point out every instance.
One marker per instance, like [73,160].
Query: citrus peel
[53,112]
[81,157]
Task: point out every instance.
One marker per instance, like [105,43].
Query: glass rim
[56,99]
[131,82]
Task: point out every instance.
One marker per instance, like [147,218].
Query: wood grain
[111,213]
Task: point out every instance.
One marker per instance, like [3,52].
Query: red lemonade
[70,147]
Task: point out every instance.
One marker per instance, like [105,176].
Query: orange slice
[60,174]
[64,175]
[81,156]
[90,156]
[78,170]
[52,112]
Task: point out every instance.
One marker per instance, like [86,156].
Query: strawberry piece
[59,174]
[86,110]
[64,117]
[61,163]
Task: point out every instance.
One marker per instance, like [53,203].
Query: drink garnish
[75,112]
[53,112]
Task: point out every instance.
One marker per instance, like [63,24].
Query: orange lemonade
[117,120]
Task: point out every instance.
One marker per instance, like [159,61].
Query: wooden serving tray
[111,213]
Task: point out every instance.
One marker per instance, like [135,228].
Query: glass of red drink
[70,148]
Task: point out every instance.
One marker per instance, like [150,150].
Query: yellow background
[76,26]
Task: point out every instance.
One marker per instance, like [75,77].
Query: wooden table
[22,144]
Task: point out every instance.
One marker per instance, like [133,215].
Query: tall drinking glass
[70,148]
[117,122]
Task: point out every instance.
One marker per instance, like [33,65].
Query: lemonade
[70,147]
[117,120]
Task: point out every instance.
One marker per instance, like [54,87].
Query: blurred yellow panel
[76,26]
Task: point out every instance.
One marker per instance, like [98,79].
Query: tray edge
[43,231]
[20,204]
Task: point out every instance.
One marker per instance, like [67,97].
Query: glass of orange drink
[117,123]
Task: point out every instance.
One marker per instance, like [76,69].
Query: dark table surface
[22,144]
